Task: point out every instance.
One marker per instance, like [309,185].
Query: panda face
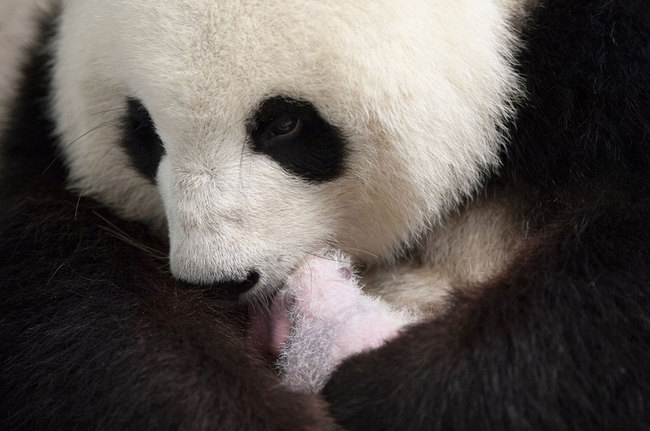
[259,132]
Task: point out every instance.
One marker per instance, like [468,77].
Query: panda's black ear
[294,134]
[140,139]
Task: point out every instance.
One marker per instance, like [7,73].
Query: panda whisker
[94,129]
[244,147]
[118,233]
[130,241]
[108,110]
[320,255]
[76,207]
[60,152]
[241,166]
[260,305]
[148,250]
[55,272]
[99,160]
[363,251]
[131,132]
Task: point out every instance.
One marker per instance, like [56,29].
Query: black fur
[94,332]
[315,152]
[96,335]
[561,341]
[141,140]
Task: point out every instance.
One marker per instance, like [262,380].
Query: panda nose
[237,287]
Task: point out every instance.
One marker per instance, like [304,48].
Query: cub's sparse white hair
[419,90]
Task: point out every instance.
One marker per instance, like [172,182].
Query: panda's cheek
[185,207]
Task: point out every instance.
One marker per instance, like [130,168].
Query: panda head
[259,132]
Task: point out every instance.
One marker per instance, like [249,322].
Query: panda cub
[480,168]
[321,317]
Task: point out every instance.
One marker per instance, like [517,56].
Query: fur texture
[420,142]
[96,334]
[321,317]
[537,250]
[560,338]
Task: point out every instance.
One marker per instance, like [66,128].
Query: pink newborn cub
[321,317]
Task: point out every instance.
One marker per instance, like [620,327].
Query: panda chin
[236,288]
[258,291]
[252,284]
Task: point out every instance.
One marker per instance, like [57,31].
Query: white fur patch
[418,88]
[474,245]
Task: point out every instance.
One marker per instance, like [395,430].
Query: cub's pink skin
[321,317]
[270,327]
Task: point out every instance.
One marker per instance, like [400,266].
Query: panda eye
[294,134]
[286,126]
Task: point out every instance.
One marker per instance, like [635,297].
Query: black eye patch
[140,139]
[294,134]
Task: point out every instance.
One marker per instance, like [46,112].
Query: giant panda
[95,333]
[484,164]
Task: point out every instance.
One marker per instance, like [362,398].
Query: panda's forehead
[219,60]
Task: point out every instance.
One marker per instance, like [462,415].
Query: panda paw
[321,317]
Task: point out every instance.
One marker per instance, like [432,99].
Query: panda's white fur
[420,90]
[473,245]
[535,250]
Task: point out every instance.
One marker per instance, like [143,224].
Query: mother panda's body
[271,130]
[559,338]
